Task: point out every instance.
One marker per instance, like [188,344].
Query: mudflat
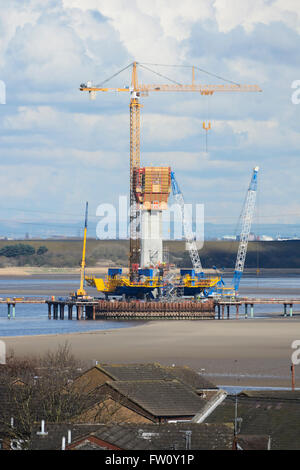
[253,352]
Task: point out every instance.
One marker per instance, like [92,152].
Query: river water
[32,319]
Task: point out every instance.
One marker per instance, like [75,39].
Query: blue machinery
[246,221]
[246,218]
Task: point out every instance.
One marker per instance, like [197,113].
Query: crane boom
[188,232]
[202,89]
[246,217]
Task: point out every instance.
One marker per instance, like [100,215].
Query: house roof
[128,372]
[270,413]
[191,377]
[168,436]
[249,442]
[161,398]
[129,436]
[156,371]
[282,395]
[56,431]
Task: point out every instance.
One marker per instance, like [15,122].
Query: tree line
[20,249]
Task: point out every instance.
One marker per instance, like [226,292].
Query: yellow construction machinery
[81,293]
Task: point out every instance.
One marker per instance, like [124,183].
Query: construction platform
[148,284]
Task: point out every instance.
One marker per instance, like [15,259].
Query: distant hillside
[222,254]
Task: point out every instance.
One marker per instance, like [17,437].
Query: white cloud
[48,48]
[248,13]
[150,31]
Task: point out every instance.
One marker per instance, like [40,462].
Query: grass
[68,252]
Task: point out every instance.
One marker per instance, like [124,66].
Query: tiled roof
[161,398]
[167,436]
[55,433]
[152,371]
[191,377]
[137,436]
[272,394]
[156,371]
[274,414]
[246,442]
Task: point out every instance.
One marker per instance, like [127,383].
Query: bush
[12,251]
[42,250]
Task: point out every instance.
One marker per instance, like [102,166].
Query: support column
[55,311]
[61,311]
[246,310]
[70,311]
[251,311]
[291,310]
[78,307]
[49,311]
[293,376]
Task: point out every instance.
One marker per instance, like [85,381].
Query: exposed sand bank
[244,352]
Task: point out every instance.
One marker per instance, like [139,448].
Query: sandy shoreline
[244,352]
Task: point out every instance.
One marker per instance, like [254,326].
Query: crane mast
[134,219]
[246,219]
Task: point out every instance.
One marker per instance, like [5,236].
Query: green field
[222,254]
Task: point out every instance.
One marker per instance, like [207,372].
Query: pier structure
[84,310]
[220,304]
[184,309]
[133,310]
[12,302]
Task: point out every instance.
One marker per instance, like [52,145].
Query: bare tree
[38,388]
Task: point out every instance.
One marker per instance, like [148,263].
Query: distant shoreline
[74,273]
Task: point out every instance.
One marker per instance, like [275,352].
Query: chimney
[42,432]
[188,440]
[11,422]
[269,443]
[69,436]
[63,443]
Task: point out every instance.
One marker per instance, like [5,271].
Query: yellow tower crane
[136,91]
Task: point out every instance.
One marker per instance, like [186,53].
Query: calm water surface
[33,319]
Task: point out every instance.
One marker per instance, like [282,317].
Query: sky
[58,149]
